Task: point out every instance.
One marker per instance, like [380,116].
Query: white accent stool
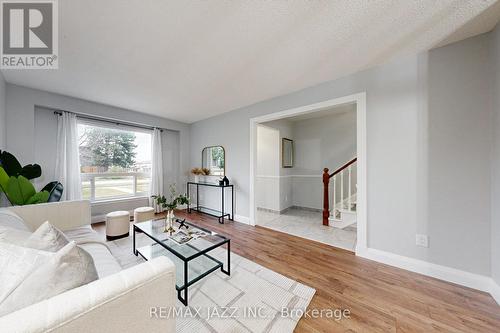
[142,214]
[117,224]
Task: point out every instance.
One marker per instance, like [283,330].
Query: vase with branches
[197,172]
[174,200]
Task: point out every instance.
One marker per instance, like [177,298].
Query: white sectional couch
[119,301]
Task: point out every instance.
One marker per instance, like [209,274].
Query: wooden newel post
[326,208]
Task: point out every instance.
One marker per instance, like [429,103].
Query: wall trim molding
[118,200]
[242,219]
[445,273]
[495,291]
[102,217]
[98,218]
[289,176]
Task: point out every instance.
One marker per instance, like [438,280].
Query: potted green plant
[15,182]
[169,205]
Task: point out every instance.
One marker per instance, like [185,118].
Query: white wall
[322,142]
[495,157]
[397,148]
[327,140]
[45,143]
[285,179]
[458,155]
[31,135]
[2,113]
[268,168]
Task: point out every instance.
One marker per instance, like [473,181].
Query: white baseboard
[453,275]
[242,219]
[495,291]
[102,217]
[98,218]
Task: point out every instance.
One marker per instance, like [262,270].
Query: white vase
[169,221]
[196,178]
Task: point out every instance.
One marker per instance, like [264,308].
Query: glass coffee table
[192,259]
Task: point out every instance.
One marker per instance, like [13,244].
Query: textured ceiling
[189,60]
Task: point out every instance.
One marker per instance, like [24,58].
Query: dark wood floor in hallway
[380,298]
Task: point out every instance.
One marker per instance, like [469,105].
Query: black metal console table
[220,214]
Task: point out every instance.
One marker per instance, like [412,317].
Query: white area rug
[252,299]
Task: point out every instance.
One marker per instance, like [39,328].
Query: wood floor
[380,298]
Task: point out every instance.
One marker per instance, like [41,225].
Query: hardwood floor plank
[380,298]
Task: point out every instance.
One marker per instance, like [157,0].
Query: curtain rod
[107,120]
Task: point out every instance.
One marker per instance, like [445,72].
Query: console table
[220,214]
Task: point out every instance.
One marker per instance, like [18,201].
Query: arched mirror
[214,159]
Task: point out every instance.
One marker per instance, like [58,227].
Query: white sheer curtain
[68,158]
[156,186]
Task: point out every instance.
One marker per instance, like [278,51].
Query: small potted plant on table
[169,205]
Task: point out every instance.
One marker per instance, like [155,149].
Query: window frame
[108,124]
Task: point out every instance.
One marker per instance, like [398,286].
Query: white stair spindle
[334,193]
[350,192]
[342,189]
[330,195]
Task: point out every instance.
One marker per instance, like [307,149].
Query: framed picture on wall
[286,153]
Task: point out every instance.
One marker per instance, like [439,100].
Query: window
[114,163]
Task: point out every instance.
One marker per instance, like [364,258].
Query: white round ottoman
[117,224]
[142,214]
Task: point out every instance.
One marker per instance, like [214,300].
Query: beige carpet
[252,299]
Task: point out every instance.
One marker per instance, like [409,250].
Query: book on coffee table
[197,233]
[181,237]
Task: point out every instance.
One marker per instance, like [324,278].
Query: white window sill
[115,200]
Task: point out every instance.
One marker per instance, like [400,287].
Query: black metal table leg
[228,270]
[133,237]
[185,298]
[232,203]
[222,190]
[189,206]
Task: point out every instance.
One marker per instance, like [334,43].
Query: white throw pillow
[16,263]
[47,238]
[10,219]
[64,270]
[14,236]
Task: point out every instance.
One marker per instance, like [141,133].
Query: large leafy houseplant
[15,182]
[170,204]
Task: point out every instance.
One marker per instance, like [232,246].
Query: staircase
[339,193]
[340,215]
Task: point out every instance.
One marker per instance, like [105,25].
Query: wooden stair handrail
[342,167]
[326,181]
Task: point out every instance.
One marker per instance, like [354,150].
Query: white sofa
[119,301]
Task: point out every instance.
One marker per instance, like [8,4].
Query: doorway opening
[289,151]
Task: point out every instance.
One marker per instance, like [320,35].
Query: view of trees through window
[114,162]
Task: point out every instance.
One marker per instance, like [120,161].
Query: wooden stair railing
[326,181]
